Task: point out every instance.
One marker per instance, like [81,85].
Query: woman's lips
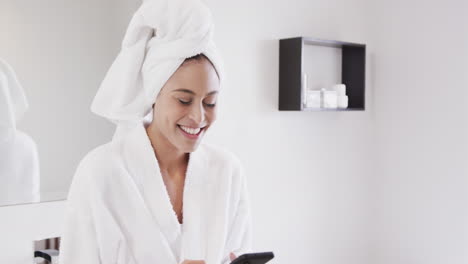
[191,136]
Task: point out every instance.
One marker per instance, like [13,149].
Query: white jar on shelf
[342,102]
[340,89]
[314,99]
[330,99]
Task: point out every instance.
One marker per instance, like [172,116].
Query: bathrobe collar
[143,166]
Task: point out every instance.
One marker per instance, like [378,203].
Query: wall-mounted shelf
[353,68]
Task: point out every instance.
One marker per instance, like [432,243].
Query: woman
[156,193]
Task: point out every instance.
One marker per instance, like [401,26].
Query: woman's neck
[172,162]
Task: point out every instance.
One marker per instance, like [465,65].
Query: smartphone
[254,258]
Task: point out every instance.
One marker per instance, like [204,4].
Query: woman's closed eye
[210,105]
[189,102]
[184,102]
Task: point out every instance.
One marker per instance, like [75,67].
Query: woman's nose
[197,113]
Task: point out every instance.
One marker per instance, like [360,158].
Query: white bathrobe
[19,170]
[119,209]
[19,160]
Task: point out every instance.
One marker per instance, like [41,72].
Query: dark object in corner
[46,254]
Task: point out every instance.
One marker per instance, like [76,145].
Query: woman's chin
[187,148]
[189,144]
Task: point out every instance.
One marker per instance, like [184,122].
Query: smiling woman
[156,193]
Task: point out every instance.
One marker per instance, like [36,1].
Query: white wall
[420,65]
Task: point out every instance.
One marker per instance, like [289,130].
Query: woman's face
[186,106]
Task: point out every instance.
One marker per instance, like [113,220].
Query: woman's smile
[192,133]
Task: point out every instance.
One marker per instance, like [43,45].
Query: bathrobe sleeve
[78,240]
[239,239]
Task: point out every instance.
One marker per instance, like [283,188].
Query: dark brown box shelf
[353,72]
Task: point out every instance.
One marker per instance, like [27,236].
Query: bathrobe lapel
[149,240]
[143,167]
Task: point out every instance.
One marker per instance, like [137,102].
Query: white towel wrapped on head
[161,35]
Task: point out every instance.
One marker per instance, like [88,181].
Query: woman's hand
[189,261]
[232,256]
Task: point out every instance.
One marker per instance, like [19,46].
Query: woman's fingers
[232,256]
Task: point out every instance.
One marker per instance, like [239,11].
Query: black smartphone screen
[254,258]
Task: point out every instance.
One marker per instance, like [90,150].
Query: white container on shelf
[322,95]
[340,89]
[330,99]
[342,102]
[313,98]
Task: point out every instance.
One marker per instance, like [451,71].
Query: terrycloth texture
[13,103]
[119,209]
[161,35]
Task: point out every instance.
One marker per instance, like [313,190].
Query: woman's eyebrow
[192,92]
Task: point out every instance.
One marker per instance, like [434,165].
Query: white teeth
[189,130]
